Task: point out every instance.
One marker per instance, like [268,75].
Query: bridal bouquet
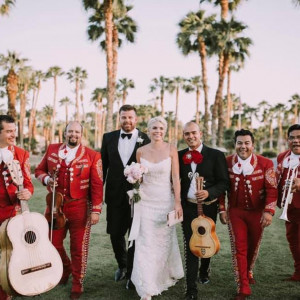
[134,174]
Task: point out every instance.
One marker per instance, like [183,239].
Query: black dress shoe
[120,274]
[204,280]
[130,285]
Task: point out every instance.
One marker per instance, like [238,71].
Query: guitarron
[30,264]
[204,242]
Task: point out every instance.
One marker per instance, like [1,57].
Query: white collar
[243,166]
[199,149]
[6,155]
[291,161]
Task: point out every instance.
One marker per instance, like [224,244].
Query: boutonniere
[192,156]
[140,141]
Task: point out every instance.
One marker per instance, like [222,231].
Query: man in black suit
[118,150]
[199,160]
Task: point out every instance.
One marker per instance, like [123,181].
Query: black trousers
[191,261]
[124,258]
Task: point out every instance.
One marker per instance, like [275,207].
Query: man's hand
[296,185]
[95,218]
[51,182]
[24,195]
[266,219]
[202,195]
[223,217]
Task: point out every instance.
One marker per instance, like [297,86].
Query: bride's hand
[178,209]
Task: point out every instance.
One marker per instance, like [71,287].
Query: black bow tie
[129,135]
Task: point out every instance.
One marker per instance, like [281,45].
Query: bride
[157,262]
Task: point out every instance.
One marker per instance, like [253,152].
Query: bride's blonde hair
[157,119]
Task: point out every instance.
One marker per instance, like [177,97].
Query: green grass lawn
[273,265]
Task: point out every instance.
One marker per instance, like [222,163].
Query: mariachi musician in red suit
[198,159]
[286,163]
[9,204]
[79,180]
[251,205]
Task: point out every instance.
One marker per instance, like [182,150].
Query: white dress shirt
[193,189]
[126,146]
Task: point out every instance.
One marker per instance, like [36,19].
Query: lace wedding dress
[157,261]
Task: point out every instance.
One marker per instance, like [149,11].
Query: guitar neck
[24,204]
[199,185]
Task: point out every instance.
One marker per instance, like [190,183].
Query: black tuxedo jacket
[214,170]
[113,169]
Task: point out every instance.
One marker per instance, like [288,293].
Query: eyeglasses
[293,138]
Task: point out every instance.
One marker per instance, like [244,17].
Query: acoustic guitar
[30,264]
[204,242]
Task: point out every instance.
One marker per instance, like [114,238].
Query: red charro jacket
[259,189]
[87,179]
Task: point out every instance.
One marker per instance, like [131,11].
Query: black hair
[6,119]
[292,128]
[243,132]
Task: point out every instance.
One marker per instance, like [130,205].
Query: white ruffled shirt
[243,166]
[6,155]
[291,161]
[68,154]
[126,146]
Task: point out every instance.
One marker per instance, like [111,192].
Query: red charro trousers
[245,234]
[79,227]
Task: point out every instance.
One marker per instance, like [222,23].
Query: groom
[210,164]
[118,150]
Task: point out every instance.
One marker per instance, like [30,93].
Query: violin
[54,212]
[54,202]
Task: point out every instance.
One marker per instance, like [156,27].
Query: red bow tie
[192,156]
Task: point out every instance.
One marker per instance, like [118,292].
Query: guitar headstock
[199,183]
[15,172]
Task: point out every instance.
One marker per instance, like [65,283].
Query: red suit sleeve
[270,187]
[25,166]
[96,183]
[41,170]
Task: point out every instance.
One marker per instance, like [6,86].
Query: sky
[53,32]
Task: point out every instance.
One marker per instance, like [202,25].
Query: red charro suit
[81,184]
[9,205]
[293,213]
[249,196]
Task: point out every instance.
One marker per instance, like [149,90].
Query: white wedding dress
[157,261]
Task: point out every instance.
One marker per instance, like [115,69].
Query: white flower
[140,140]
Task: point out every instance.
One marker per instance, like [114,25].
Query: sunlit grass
[273,265]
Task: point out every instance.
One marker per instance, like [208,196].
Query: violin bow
[53,200]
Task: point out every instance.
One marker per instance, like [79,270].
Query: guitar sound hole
[30,237]
[201,230]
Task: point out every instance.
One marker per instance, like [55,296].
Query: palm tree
[124,85]
[174,85]
[12,62]
[160,84]
[37,78]
[47,114]
[279,110]
[195,84]
[226,5]
[295,102]
[25,76]
[97,98]
[54,72]
[228,44]
[77,75]
[6,7]
[66,101]
[195,32]
[112,19]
